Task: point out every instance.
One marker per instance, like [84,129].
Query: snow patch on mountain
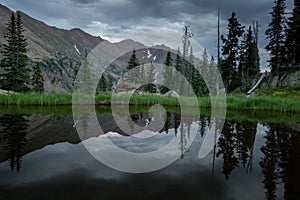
[76,49]
[149,54]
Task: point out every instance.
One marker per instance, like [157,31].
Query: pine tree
[178,71]
[212,81]
[110,84]
[133,61]
[14,63]
[178,62]
[102,85]
[168,73]
[133,75]
[248,64]
[151,77]
[205,63]
[85,78]
[275,34]
[293,36]
[37,78]
[198,84]
[230,52]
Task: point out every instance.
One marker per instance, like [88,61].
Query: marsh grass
[268,103]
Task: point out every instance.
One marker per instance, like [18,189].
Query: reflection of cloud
[72,173]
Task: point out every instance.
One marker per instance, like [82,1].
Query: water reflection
[14,130]
[280,163]
[256,152]
[236,146]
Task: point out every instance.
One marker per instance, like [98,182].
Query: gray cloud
[107,18]
[85,1]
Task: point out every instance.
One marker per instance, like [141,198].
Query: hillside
[54,47]
[59,50]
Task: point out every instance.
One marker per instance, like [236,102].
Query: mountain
[56,48]
[60,51]
[44,40]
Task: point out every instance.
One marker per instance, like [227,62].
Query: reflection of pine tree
[291,175]
[287,167]
[242,149]
[202,125]
[250,130]
[227,149]
[269,163]
[14,130]
[183,139]
[236,145]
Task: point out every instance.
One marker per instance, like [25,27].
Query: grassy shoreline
[235,102]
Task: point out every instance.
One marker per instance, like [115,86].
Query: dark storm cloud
[107,18]
[85,1]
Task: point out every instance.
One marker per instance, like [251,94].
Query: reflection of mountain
[21,135]
[279,158]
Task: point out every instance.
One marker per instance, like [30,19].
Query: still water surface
[256,156]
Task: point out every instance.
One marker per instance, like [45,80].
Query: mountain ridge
[60,51]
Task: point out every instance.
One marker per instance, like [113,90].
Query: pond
[256,156]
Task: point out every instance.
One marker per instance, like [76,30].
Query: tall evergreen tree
[151,78]
[85,78]
[213,79]
[14,63]
[102,85]
[168,73]
[133,61]
[293,36]
[178,61]
[248,59]
[110,83]
[133,75]
[230,52]
[205,64]
[178,71]
[275,34]
[37,79]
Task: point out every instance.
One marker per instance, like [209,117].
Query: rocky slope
[60,51]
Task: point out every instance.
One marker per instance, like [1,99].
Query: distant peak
[76,30]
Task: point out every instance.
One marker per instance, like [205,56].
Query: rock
[171,93]
[6,92]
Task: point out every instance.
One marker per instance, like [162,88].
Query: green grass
[236,115]
[268,103]
[36,99]
[290,93]
[263,103]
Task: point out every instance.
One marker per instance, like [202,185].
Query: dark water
[257,156]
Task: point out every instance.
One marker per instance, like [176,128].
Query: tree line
[239,63]
[19,73]
[283,34]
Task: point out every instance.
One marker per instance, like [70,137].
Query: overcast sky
[110,18]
